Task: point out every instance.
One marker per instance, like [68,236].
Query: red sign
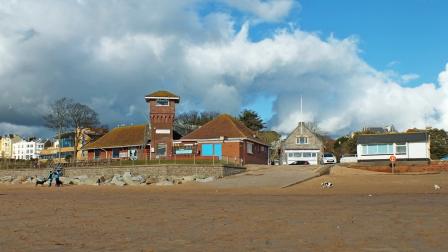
[393,158]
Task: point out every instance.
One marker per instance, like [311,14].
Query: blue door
[218,150]
[207,150]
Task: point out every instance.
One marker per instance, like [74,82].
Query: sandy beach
[361,212]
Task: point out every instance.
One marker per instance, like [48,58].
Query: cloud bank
[109,54]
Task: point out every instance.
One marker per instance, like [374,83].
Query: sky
[355,63]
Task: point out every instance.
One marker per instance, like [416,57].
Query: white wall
[27,150]
[311,160]
[414,151]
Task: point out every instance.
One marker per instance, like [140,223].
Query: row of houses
[304,144]
[15,147]
[222,138]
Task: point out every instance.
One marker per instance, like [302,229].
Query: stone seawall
[152,170]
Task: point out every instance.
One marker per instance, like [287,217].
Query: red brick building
[148,141]
[127,142]
[225,137]
[162,109]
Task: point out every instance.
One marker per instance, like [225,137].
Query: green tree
[346,144]
[439,143]
[252,120]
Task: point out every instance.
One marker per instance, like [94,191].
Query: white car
[328,158]
[349,158]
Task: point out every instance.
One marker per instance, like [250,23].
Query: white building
[27,150]
[405,146]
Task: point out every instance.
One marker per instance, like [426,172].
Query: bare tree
[80,116]
[57,118]
[189,121]
[66,114]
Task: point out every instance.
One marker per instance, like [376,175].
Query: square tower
[162,109]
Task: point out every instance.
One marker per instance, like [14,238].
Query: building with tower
[152,140]
[162,110]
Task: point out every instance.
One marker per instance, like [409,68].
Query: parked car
[328,158]
[300,162]
[349,158]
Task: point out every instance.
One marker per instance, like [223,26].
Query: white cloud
[110,54]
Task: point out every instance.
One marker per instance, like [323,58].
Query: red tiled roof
[223,125]
[120,137]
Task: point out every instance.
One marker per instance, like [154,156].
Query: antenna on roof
[301,115]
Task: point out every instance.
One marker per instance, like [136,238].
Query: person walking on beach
[56,175]
[50,178]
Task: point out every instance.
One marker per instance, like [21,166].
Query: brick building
[224,137]
[162,109]
[152,140]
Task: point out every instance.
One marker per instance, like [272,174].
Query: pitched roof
[222,126]
[162,93]
[393,138]
[120,137]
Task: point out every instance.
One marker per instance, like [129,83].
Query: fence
[177,160]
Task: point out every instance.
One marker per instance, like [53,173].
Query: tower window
[162,102]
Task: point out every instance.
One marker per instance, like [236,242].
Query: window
[377,149]
[262,148]
[314,154]
[307,154]
[302,140]
[298,154]
[116,153]
[290,154]
[162,102]
[97,154]
[249,148]
[161,149]
[401,149]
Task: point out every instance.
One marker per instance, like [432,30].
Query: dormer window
[162,102]
[302,140]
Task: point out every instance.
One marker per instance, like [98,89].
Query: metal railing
[111,162]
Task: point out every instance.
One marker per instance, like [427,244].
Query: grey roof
[393,138]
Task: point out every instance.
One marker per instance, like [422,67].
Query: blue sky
[404,36]
[410,34]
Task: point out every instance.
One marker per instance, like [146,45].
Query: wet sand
[361,213]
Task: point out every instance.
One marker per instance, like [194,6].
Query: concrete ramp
[264,176]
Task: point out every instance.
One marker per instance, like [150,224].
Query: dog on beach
[40,181]
[326,184]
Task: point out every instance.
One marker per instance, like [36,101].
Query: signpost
[393,159]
